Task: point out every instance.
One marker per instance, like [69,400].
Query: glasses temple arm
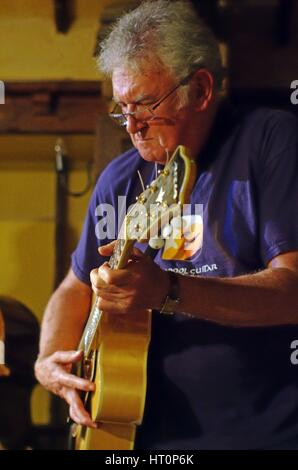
[184,81]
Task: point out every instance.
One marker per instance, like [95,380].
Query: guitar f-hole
[88,368]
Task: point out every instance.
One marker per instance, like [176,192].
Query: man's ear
[204,90]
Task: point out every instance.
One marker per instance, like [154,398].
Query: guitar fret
[115,256]
[92,327]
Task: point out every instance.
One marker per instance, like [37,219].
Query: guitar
[115,346]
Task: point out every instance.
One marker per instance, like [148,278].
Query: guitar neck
[118,260]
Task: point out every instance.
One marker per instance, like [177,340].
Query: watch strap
[172,298]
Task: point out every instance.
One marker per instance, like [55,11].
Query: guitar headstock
[162,200]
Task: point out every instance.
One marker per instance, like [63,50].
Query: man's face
[172,126]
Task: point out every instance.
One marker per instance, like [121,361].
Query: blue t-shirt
[212,386]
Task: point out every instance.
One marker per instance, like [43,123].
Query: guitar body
[116,346]
[117,363]
[108,437]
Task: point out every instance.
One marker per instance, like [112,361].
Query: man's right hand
[54,373]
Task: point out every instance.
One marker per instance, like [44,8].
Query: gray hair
[166,34]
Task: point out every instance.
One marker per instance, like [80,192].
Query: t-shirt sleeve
[96,232]
[106,212]
[278,188]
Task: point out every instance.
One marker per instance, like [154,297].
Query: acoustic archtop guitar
[116,346]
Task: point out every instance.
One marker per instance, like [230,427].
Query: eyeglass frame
[150,108]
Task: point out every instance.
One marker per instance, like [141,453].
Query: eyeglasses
[144,113]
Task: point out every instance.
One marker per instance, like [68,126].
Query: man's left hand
[141,284]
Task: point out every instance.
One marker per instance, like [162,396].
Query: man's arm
[62,326]
[65,316]
[268,297]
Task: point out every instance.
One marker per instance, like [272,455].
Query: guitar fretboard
[121,247]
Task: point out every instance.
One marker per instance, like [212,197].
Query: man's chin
[154,156]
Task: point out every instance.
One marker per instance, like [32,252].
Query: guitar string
[168,156]
[141,180]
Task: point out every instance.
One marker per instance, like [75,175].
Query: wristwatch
[171,302]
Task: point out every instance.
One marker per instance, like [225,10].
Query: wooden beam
[51,107]
[64,15]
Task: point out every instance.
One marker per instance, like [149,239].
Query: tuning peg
[140,199]
[167,230]
[156,243]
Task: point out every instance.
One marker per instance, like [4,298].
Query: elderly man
[219,372]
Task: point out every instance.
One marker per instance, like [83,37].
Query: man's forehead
[133,87]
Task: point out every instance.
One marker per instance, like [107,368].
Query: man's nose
[133,125]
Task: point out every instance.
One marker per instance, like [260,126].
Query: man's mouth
[141,141]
